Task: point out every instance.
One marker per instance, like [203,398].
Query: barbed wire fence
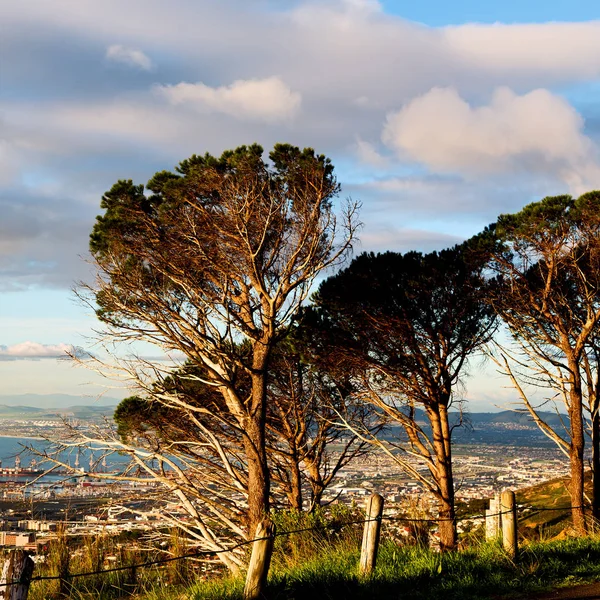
[7,582]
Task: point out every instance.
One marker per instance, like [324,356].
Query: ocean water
[11,447]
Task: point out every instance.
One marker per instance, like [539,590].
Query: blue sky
[438,13]
[438,117]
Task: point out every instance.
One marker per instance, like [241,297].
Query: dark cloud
[42,240]
[37,62]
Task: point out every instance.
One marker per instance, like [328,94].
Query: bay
[11,447]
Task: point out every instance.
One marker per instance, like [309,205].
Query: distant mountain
[53,401]
[76,412]
[516,418]
[504,428]
[81,407]
[81,412]
[475,420]
[29,411]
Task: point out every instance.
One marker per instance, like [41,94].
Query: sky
[438,117]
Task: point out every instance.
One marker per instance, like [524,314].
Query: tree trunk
[258,475]
[576,490]
[259,484]
[444,477]
[295,492]
[315,480]
[576,485]
[317,495]
[596,465]
[447,517]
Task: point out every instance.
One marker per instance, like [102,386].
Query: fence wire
[206,553]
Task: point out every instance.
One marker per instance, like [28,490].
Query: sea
[13,447]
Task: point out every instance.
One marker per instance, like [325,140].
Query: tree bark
[260,560]
[447,522]
[444,476]
[258,476]
[295,492]
[259,484]
[317,495]
[594,397]
[317,485]
[596,465]
[576,485]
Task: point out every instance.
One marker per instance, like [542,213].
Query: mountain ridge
[43,404]
[55,401]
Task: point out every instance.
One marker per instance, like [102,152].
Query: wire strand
[199,553]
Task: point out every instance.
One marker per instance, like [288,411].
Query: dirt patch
[580,592]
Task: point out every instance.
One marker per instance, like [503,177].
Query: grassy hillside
[413,573]
[324,565]
[549,516]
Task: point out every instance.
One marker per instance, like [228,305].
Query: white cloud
[263,99]
[368,154]
[328,42]
[363,5]
[128,56]
[34,350]
[538,132]
[543,47]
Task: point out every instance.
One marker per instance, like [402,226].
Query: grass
[414,573]
[550,494]
[323,563]
[91,554]
[407,572]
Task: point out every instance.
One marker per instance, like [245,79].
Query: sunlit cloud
[35,351]
[328,74]
[128,56]
[264,99]
[537,132]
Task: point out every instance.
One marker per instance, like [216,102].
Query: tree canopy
[548,263]
[213,261]
[405,325]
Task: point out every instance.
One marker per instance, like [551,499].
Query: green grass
[413,573]
[323,564]
[66,558]
[550,494]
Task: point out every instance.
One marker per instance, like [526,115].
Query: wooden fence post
[509,523]
[258,569]
[18,568]
[370,541]
[493,519]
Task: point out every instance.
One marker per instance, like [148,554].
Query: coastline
[23,437]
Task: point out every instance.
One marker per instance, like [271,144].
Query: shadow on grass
[411,573]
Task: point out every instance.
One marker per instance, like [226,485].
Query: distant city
[494,452]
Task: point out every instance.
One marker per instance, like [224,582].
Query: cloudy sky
[438,117]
